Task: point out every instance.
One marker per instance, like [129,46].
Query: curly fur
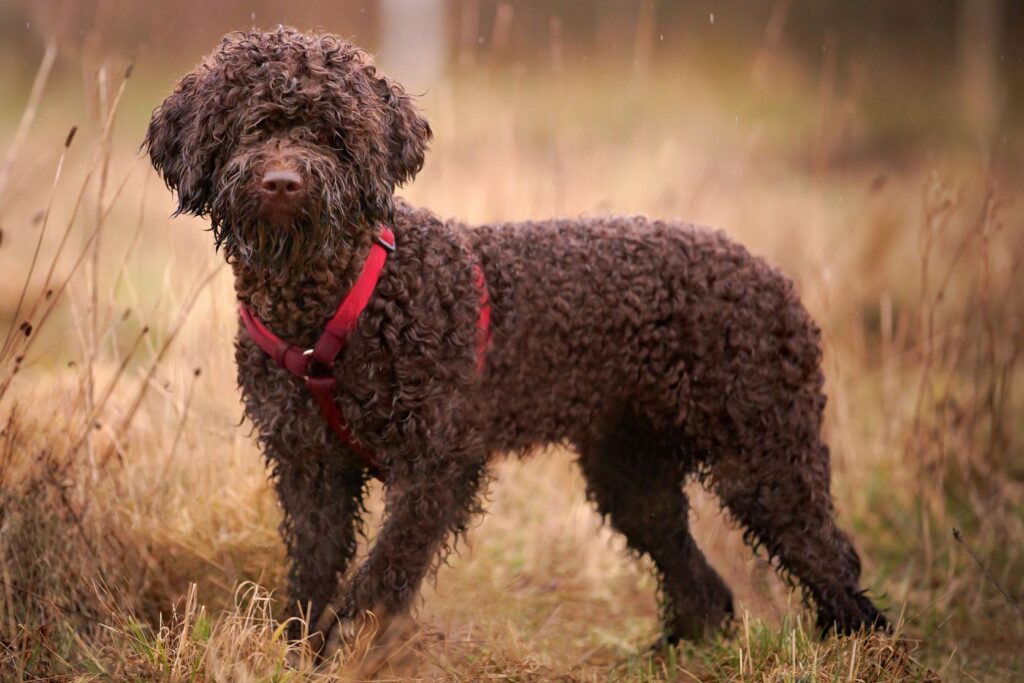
[658,350]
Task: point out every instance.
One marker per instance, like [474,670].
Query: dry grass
[138,533]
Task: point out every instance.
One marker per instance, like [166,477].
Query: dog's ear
[179,141]
[408,132]
[394,139]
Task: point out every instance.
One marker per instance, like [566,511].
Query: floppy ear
[392,152]
[408,132]
[179,145]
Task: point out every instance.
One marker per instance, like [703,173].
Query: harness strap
[332,342]
[344,321]
[483,322]
[322,389]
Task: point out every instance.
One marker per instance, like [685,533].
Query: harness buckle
[390,246]
[308,353]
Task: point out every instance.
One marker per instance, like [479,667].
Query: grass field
[137,528]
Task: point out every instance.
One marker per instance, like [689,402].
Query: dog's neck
[295,302]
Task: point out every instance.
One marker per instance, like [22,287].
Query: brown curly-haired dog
[659,351]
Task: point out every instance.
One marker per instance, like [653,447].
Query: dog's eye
[266,126]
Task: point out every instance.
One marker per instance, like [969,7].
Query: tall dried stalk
[28,115]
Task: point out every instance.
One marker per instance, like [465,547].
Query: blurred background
[874,151]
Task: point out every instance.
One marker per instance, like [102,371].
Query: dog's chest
[295,310]
[286,415]
[290,417]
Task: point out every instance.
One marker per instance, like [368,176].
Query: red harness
[331,343]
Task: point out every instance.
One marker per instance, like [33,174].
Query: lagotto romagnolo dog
[657,350]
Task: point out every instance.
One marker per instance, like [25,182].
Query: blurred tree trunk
[981,90]
[414,41]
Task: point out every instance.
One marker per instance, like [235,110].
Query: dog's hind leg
[322,501]
[776,483]
[636,480]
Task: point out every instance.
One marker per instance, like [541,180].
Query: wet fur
[658,350]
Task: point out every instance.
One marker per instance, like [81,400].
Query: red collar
[332,342]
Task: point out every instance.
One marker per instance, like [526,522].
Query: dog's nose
[281,183]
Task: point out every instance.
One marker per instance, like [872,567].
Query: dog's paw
[348,635]
[361,647]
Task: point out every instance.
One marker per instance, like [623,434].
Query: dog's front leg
[322,501]
[426,502]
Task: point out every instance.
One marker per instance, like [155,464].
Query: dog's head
[289,142]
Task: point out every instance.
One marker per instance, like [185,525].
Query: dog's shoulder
[422,235]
